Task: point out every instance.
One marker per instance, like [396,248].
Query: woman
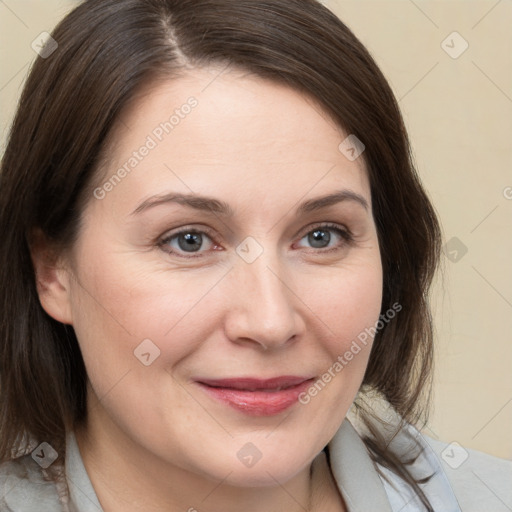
[214,272]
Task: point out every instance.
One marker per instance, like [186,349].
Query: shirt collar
[82,497]
[354,472]
[360,484]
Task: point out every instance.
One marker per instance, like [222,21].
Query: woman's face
[256,286]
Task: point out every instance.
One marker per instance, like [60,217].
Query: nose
[264,310]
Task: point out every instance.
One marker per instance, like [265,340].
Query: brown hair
[110,49]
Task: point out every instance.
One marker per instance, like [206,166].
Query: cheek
[118,305]
[347,305]
[347,301]
[348,308]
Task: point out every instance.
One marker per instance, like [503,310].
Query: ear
[52,279]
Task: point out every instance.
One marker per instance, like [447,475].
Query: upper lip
[254,384]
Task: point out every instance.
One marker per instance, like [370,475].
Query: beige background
[459,115]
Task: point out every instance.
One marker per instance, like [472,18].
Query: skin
[154,440]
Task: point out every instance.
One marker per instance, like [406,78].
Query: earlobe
[52,279]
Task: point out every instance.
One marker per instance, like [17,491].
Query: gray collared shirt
[481,483]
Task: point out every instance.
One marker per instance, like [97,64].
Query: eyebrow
[210,204]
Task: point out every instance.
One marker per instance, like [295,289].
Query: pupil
[319,237]
[192,241]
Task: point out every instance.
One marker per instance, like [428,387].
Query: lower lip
[258,403]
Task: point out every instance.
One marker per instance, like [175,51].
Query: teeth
[268,390]
[279,388]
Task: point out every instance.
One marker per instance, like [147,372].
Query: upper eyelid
[325,224]
[186,229]
[209,231]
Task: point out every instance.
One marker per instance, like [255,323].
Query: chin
[229,466]
[271,468]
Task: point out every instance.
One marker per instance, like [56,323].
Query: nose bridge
[264,306]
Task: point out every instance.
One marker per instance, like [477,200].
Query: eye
[192,242]
[321,237]
[187,241]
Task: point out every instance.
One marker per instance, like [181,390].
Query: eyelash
[344,233]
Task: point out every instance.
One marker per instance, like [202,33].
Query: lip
[257,397]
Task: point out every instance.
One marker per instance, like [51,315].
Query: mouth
[257,397]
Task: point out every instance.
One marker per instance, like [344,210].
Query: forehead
[212,132]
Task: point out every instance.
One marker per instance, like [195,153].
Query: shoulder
[480,481]
[25,486]
[455,478]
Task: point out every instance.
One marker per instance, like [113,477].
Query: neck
[128,478]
